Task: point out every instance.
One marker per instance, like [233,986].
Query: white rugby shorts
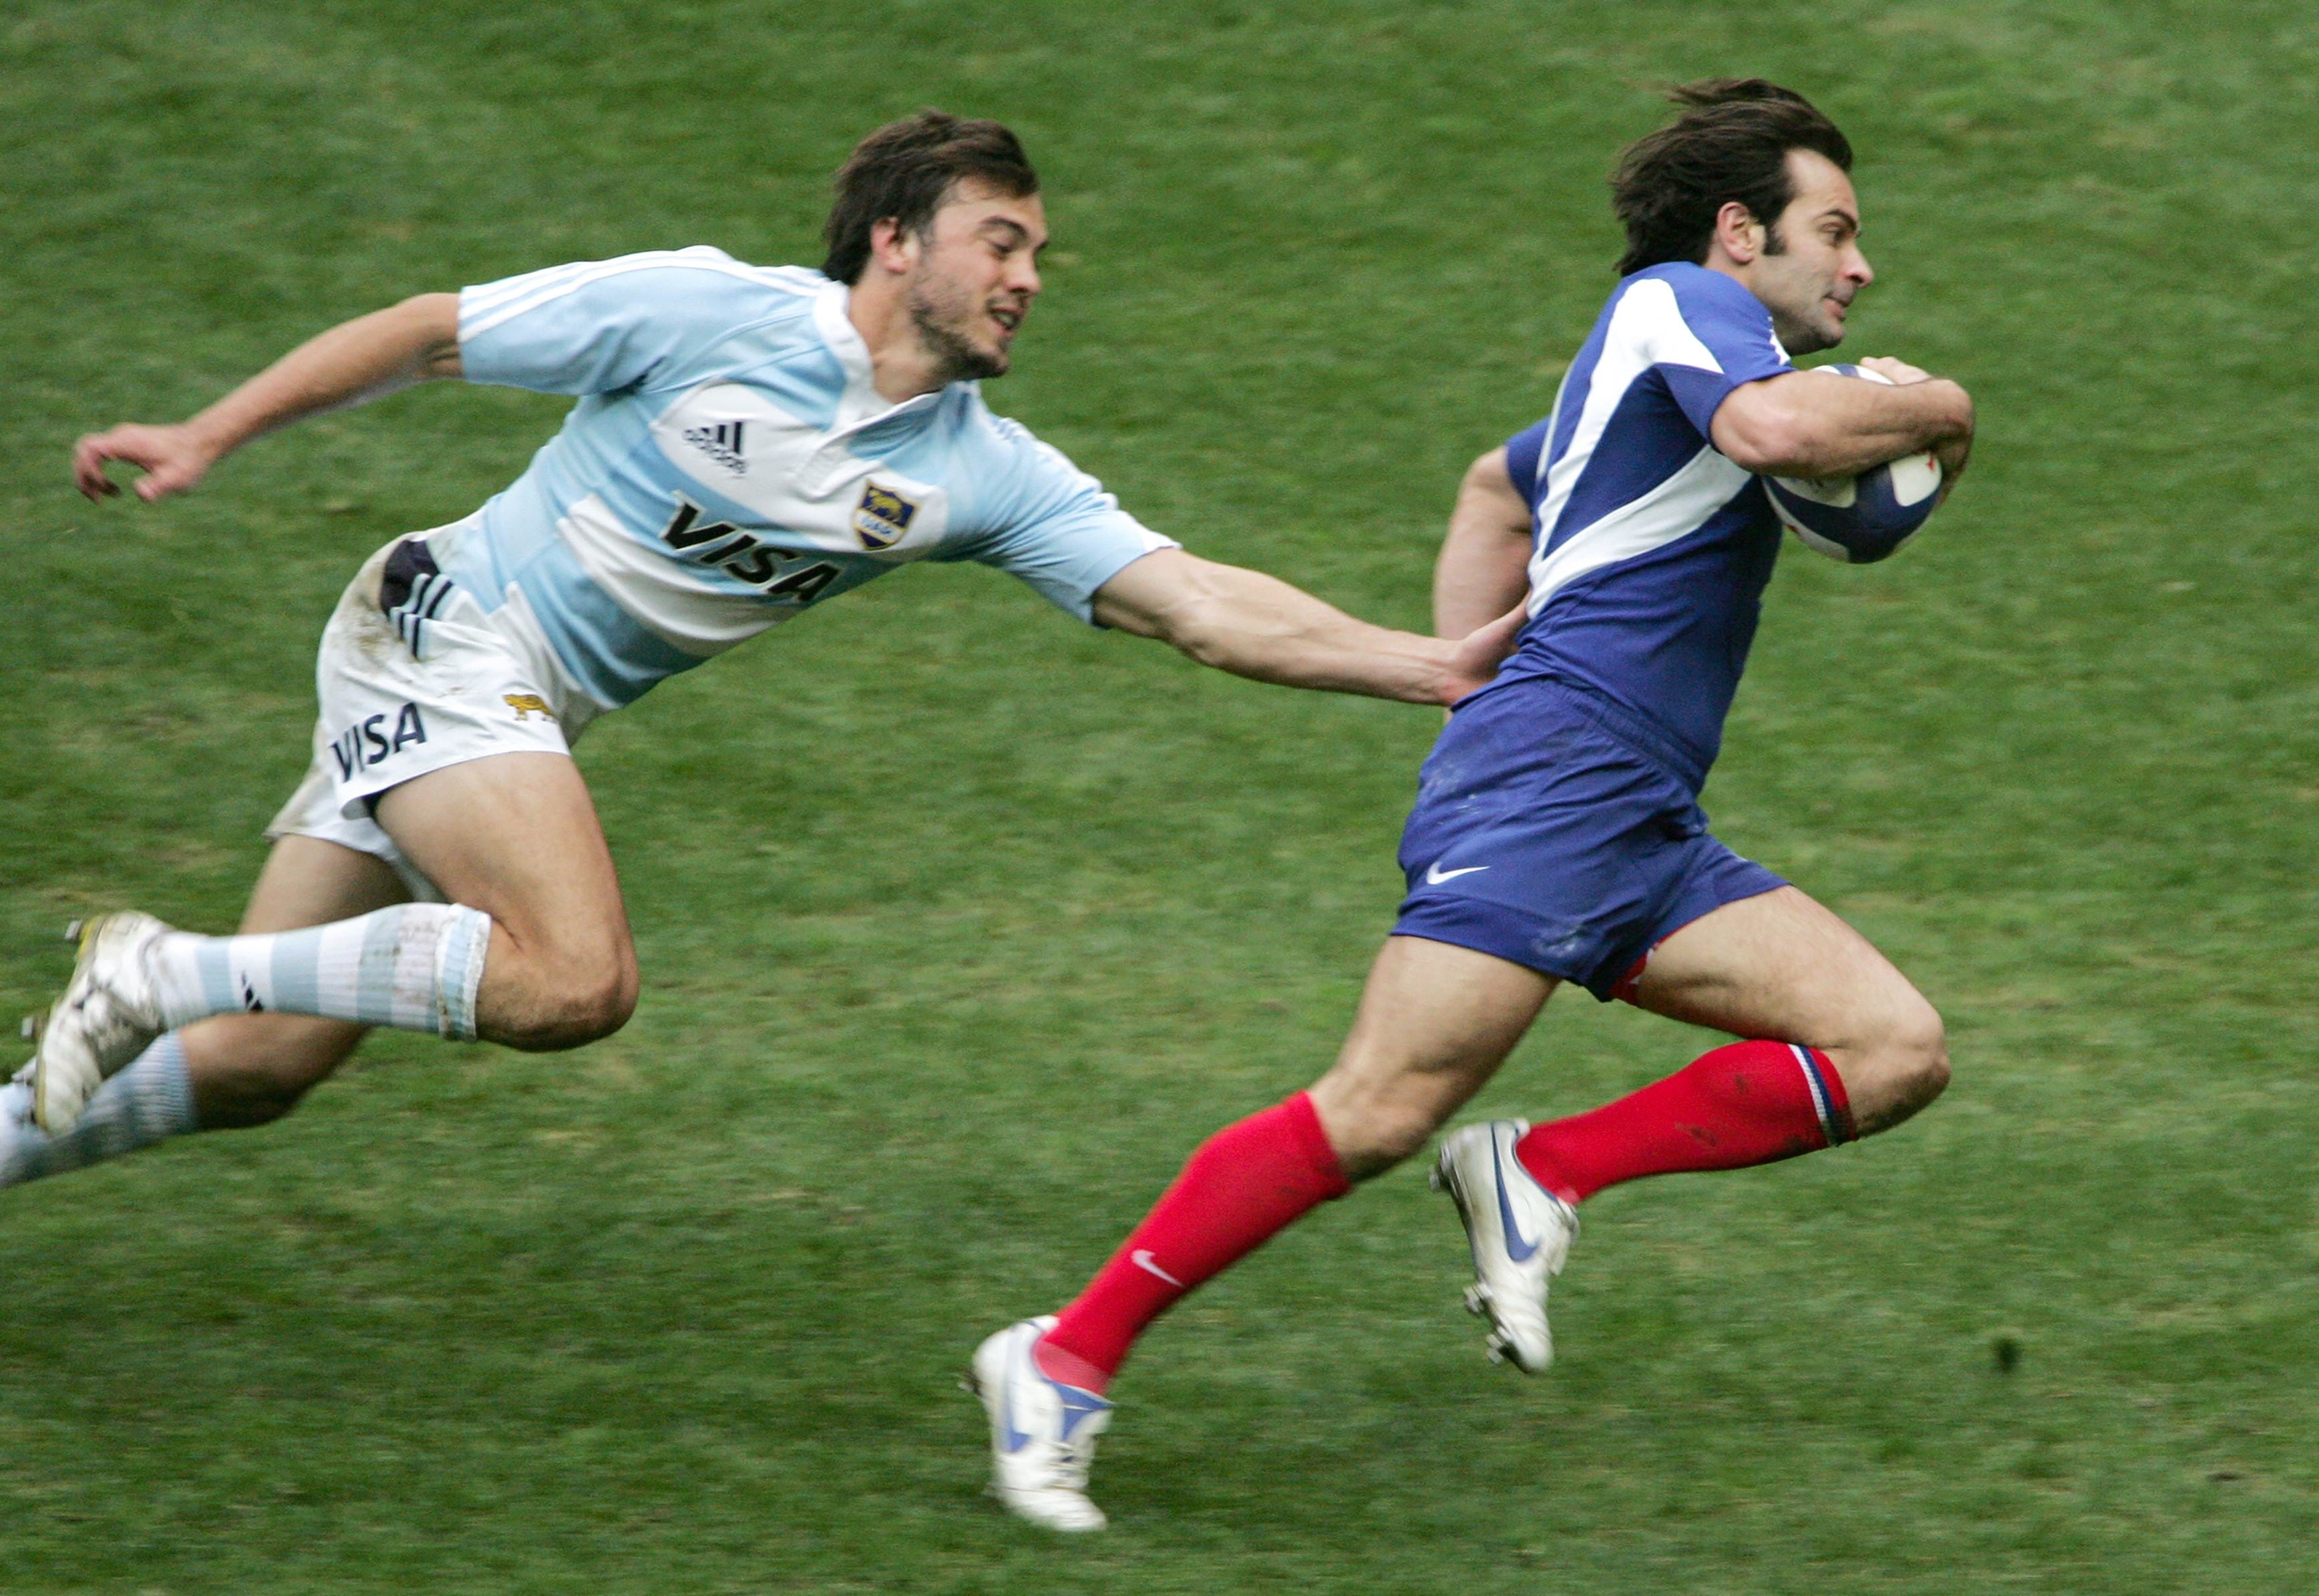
[414,676]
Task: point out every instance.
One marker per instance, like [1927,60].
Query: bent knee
[1901,1067]
[1370,1138]
[1933,1078]
[1922,1045]
[1396,1138]
[587,1001]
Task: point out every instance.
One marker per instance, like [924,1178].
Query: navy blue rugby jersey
[1651,550]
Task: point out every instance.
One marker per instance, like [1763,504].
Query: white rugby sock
[414,967]
[150,1101]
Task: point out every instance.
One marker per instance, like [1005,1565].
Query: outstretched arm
[1800,424]
[1256,626]
[1483,568]
[359,360]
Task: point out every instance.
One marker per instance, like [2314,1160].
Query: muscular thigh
[308,881]
[1435,1021]
[1777,965]
[452,731]
[515,835]
[1780,967]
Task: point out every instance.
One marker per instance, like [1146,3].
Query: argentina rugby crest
[883,518]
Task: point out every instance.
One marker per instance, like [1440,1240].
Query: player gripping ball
[1864,518]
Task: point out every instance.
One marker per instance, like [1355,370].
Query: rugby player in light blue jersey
[747,442]
[1557,835]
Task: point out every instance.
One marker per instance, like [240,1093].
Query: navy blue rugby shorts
[1551,831]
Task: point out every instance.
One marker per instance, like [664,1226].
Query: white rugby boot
[1520,1232]
[111,1012]
[1042,1432]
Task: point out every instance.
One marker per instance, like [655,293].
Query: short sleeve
[1523,451]
[1053,526]
[1714,317]
[600,325]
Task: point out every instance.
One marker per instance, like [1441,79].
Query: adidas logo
[722,443]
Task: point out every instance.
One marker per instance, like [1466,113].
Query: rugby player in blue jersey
[747,442]
[1557,835]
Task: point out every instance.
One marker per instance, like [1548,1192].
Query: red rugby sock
[1243,1185]
[1751,1103]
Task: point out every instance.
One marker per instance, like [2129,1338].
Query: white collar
[860,405]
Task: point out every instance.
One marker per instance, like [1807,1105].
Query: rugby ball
[1861,518]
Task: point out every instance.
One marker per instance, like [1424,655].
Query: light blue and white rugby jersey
[729,463]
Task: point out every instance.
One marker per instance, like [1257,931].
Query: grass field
[959,925]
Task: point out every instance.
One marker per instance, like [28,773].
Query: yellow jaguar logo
[882,517]
[524,704]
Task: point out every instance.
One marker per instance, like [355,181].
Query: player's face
[977,274]
[1809,285]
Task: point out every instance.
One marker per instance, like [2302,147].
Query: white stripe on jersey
[1647,330]
[1676,508]
[669,598]
[492,296]
[513,298]
[486,296]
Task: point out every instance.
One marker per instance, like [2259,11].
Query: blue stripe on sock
[150,1101]
[164,1106]
[216,968]
[1823,1099]
[297,982]
[470,931]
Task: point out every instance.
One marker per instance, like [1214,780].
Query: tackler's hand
[173,459]
[1480,651]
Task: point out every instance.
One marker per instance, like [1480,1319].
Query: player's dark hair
[1731,142]
[905,169]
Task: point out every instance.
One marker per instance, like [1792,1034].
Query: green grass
[959,925]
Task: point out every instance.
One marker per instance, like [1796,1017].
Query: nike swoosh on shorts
[1435,875]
